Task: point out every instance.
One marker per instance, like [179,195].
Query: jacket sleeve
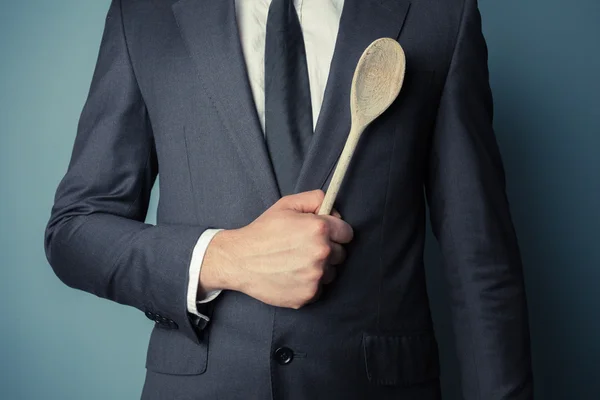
[470,217]
[96,240]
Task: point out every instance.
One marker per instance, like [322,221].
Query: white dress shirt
[319,20]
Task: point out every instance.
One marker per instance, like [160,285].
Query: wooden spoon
[376,83]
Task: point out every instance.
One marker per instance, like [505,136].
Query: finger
[305,202]
[317,295]
[329,274]
[338,254]
[335,213]
[339,230]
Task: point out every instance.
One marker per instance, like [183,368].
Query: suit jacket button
[283,355]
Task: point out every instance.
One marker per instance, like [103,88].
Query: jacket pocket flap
[401,359]
[170,352]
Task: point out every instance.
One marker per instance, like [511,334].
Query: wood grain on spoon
[376,83]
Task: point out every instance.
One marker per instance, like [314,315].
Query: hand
[283,256]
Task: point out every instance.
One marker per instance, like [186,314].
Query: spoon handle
[340,169]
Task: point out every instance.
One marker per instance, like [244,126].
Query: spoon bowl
[377,81]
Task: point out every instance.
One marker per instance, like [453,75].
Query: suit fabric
[170,95]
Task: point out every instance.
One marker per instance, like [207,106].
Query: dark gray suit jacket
[170,94]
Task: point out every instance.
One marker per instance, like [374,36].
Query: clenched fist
[283,256]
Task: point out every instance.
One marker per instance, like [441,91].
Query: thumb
[305,202]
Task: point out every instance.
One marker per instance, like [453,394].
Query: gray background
[58,343]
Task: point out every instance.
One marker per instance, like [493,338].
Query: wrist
[219,262]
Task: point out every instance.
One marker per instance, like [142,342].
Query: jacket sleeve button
[150,315]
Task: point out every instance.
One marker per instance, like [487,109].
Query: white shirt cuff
[194,273]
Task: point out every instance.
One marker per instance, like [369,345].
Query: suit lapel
[362,22]
[210,32]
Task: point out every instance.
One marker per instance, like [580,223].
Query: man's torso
[370,335]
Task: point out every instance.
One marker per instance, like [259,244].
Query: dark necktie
[288,112]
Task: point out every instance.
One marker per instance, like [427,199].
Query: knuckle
[322,252]
[311,292]
[321,227]
[308,296]
[316,275]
